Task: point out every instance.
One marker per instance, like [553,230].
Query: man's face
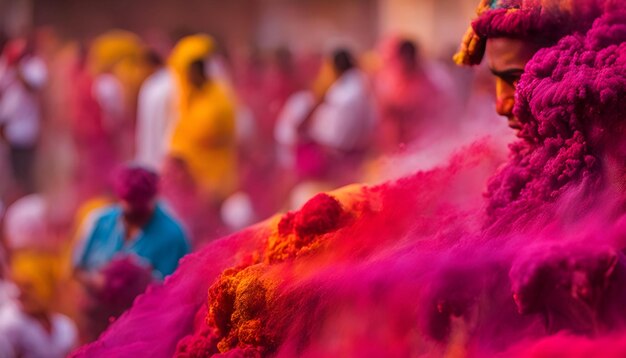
[137,213]
[506,59]
[197,73]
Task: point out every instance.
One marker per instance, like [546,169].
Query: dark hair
[196,73]
[3,40]
[283,58]
[343,60]
[197,65]
[407,49]
[153,58]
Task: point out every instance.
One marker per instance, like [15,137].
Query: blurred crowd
[121,155]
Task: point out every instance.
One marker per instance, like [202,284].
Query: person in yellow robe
[204,136]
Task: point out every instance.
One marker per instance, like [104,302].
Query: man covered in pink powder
[560,77]
[509,33]
[137,225]
[554,151]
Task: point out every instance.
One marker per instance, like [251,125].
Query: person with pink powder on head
[560,79]
[125,247]
[508,33]
[137,225]
[513,36]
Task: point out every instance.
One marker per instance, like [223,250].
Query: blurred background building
[297,24]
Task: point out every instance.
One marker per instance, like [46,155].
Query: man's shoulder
[106,213]
[101,217]
[158,83]
[168,223]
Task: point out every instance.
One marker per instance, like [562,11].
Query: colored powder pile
[425,266]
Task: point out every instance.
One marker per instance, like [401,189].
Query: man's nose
[504,106]
[505,98]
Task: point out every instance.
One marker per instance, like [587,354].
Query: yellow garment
[111,48]
[204,135]
[88,207]
[371,62]
[120,53]
[40,270]
[187,51]
[325,78]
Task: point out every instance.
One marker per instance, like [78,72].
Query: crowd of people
[121,158]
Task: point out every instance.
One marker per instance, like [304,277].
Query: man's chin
[137,218]
[514,124]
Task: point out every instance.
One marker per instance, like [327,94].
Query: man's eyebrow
[507,73]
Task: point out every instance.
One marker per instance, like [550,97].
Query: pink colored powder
[425,266]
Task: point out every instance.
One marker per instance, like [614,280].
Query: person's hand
[96,282]
[93,282]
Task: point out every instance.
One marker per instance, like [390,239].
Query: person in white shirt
[345,120]
[22,76]
[155,114]
[342,124]
[295,110]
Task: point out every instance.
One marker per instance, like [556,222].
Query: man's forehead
[503,53]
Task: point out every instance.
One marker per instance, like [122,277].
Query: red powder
[286,224]
[320,215]
[197,346]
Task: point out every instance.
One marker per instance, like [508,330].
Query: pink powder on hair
[135,184]
[569,103]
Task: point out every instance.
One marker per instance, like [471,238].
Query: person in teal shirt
[138,225]
[124,248]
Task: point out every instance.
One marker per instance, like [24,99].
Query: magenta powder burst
[425,266]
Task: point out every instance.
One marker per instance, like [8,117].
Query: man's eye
[511,80]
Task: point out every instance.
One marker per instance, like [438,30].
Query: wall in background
[300,24]
[438,25]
